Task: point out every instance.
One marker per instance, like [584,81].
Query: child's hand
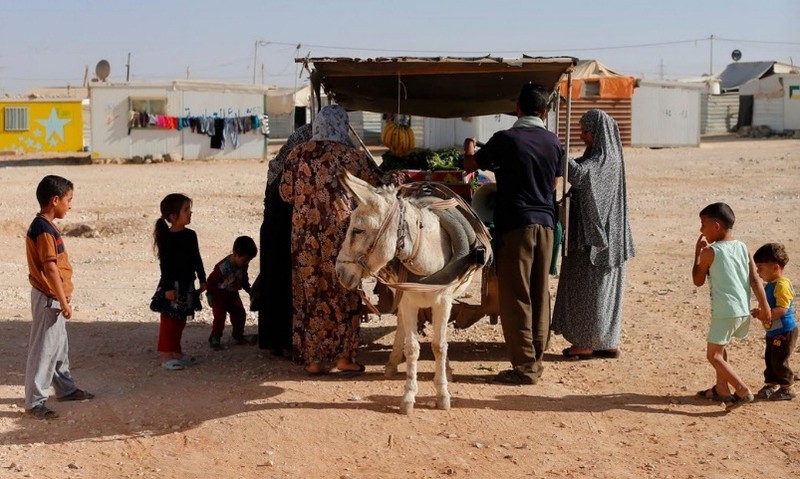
[702,243]
[754,313]
[170,295]
[765,314]
[202,288]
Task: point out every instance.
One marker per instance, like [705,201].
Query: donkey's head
[371,238]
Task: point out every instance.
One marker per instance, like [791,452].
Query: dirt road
[242,413]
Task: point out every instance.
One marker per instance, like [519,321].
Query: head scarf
[332,124]
[599,179]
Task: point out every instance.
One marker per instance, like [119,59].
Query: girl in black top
[179,257]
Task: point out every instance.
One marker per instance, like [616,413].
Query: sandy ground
[243,413]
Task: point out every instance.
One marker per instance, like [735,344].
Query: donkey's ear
[360,189]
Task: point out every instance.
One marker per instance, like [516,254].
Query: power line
[560,50]
[757,41]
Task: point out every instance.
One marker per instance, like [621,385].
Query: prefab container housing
[776,101]
[41,125]
[595,86]
[665,114]
[113,105]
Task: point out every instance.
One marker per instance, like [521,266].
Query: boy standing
[731,272]
[224,283]
[781,327]
[50,274]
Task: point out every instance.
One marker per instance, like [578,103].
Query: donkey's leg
[440,314]
[407,313]
[397,349]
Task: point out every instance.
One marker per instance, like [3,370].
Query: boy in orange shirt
[50,275]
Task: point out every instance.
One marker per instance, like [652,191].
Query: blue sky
[50,42]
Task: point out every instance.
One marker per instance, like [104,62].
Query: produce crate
[453,179]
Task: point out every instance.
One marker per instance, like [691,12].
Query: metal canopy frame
[442,87]
[437,87]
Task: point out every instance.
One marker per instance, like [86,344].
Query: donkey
[390,236]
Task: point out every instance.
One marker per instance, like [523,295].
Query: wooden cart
[441,87]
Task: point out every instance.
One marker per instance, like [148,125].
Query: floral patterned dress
[326,317]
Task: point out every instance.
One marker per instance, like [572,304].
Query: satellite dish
[736,55]
[102,70]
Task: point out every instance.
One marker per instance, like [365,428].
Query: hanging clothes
[217,138]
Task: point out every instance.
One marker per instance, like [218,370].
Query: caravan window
[591,89]
[15,118]
[151,106]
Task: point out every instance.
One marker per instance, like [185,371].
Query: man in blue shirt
[526,160]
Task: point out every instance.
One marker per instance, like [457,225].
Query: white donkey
[433,247]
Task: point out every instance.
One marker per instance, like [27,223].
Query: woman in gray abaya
[588,308]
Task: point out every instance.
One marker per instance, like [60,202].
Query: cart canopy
[438,87]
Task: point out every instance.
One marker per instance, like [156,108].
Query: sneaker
[215,342]
[40,411]
[782,394]
[766,392]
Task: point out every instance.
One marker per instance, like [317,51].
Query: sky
[52,42]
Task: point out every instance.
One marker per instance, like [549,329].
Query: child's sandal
[712,395]
[739,401]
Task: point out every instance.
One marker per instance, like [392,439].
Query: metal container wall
[666,114]
[768,112]
[443,133]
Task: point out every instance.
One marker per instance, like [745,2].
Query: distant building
[765,91]
[775,101]
[187,118]
[31,124]
[594,85]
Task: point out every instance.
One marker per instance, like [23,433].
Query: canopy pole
[361,142]
[565,168]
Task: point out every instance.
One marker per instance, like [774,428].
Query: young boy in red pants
[223,285]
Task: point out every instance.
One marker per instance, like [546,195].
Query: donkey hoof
[443,403]
[390,370]
[407,408]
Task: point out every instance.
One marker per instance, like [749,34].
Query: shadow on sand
[117,362]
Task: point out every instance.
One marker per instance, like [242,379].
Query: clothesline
[222,130]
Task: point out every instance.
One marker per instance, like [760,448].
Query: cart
[441,87]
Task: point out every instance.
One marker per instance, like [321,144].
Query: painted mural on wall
[41,126]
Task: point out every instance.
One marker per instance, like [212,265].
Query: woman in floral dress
[326,317]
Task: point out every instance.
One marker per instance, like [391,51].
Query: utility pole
[661,70]
[255,56]
[711,55]
[128,68]
[188,71]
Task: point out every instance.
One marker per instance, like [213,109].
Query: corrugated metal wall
[718,113]
[619,110]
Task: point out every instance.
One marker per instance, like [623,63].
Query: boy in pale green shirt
[731,273]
